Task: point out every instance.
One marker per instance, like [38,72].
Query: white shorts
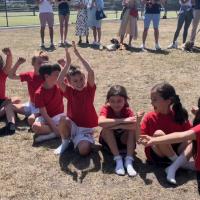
[55,119]
[79,134]
[30,109]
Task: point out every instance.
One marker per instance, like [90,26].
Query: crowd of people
[121,128]
[87,11]
[166,132]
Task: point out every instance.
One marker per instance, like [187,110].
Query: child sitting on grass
[5,102]
[49,101]
[34,81]
[79,91]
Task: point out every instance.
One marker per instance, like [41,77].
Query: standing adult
[93,23]
[63,13]
[195,22]
[185,16]
[152,13]
[46,16]
[128,24]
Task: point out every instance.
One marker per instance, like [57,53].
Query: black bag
[100,14]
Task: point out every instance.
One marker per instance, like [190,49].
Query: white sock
[129,166]
[173,158]
[62,147]
[41,138]
[119,168]
[171,170]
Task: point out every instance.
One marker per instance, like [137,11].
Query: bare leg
[99,34]
[61,20]
[84,148]
[156,35]
[66,19]
[42,29]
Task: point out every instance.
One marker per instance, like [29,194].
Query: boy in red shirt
[80,109]
[34,81]
[5,103]
[49,100]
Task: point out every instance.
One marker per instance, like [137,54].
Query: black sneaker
[10,128]
[3,131]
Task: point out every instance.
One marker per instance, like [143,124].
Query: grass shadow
[161,51]
[50,144]
[133,49]
[77,166]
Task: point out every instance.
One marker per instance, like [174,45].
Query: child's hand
[139,116]
[145,140]
[131,119]
[68,57]
[21,60]
[6,51]
[194,110]
[75,49]
[61,62]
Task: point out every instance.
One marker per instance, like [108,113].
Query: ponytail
[181,114]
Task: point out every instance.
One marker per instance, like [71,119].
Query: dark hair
[167,91]
[48,69]
[73,70]
[1,62]
[117,90]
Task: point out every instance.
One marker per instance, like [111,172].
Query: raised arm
[86,65]
[9,59]
[63,73]
[12,74]
[171,138]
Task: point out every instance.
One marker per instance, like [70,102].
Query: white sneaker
[95,43]
[119,168]
[173,45]
[157,47]
[143,47]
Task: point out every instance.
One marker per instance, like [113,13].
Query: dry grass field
[28,172]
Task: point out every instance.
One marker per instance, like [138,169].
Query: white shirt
[45,7]
[188,3]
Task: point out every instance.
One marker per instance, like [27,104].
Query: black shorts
[118,134]
[163,160]
[1,102]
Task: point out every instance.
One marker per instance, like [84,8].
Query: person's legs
[130,149]
[180,22]
[156,21]
[42,27]
[61,21]
[84,148]
[50,21]
[147,21]
[94,33]
[64,128]
[66,23]
[99,34]
[109,138]
[195,22]
[130,40]
[188,20]
[163,150]
[180,161]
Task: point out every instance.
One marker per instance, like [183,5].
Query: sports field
[28,172]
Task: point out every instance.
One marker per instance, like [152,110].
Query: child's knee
[36,127]
[106,131]
[64,121]
[84,148]
[158,133]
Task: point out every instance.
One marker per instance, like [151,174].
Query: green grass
[27,18]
